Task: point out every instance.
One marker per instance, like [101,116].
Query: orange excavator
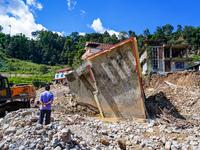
[15,97]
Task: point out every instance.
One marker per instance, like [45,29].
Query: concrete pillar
[163,60]
[170,54]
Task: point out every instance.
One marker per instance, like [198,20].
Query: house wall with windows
[60,75]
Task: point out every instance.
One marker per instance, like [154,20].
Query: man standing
[46,98]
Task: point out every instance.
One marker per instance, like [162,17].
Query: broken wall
[116,73]
[118,82]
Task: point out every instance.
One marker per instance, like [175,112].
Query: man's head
[47,87]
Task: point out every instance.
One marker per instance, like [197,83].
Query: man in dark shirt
[46,98]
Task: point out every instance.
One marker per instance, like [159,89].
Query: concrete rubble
[20,130]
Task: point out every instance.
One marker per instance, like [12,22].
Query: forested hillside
[52,49]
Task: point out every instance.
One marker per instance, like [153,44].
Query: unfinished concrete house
[164,58]
[109,80]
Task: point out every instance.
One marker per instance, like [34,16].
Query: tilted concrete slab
[116,72]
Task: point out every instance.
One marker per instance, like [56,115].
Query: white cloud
[82,33]
[17,14]
[82,12]
[71,4]
[98,27]
[34,3]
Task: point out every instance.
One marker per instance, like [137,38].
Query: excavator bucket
[110,81]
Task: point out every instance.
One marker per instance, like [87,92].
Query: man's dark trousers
[48,116]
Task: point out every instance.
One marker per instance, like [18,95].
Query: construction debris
[176,106]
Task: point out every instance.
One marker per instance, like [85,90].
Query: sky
[89,16]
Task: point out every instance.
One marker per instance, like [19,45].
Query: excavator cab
[5,92]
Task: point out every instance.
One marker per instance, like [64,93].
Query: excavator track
[12,106]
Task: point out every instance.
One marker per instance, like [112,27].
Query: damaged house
[109,80]
[164,58]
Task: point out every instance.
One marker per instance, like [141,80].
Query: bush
[43,69]
[38,83]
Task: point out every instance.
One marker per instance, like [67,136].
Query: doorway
[167,66]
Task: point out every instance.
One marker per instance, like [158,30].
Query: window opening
[155,58]
[179,65]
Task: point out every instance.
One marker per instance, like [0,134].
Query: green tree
[1,28]
[146,33]
[123,35]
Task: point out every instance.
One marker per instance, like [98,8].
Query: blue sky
[88,16]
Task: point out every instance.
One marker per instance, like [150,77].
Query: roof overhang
[177,46]
[57,79]
[179,59]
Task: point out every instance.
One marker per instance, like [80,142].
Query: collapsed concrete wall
[115,71]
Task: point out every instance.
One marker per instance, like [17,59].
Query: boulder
[65,135]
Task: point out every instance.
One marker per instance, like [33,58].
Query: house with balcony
[164,58]
[60,75]
[93,47]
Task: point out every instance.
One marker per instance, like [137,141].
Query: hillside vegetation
[49,51]
[49,48]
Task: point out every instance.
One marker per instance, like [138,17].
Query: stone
[55,142]
[40,146]
[24,113]
[164,139]
[12,146]
[65,135]
[22,147]
[83,143]
[52,119]
[5,126]
[104,141]
[142,145]
[1,120]
[58,148]
[34,118]
[194,143]
[104,132]
[2,144]
[48,127]
[39,132]
[168,145]
[1,135]
[10,130]
[18,132]
[176,144]
[22,124]
[128,143]
[121,143]
[150,130]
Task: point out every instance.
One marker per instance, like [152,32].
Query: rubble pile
[66,103]
[185,78]
[181,100]
[20,130]
[175,102]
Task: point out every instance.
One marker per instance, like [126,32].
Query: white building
[60,75]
